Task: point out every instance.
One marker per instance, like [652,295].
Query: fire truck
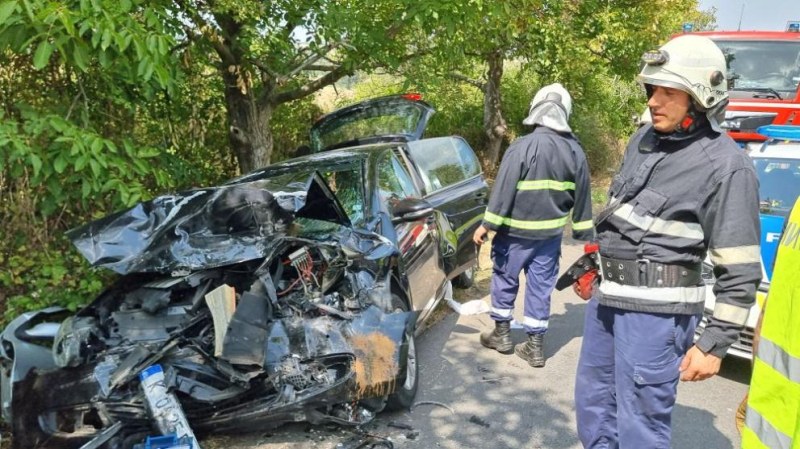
[763,80]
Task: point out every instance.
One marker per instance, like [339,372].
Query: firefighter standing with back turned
[684,190]
[543,175]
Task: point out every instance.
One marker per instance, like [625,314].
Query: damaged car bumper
[68,408]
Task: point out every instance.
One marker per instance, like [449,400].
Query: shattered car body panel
[310,329]
[201,229]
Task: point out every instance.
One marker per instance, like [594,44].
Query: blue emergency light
[780,132]
[688,27]
[793,27]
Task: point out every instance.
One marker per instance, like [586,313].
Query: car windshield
[377,120]
[779,184]
[346,180]
[763,67]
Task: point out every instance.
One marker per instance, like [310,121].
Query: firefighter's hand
[697,365]
[480,235]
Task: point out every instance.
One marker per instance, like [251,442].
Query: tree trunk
[493,123]
[249,120]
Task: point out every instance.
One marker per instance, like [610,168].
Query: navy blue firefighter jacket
[542,184]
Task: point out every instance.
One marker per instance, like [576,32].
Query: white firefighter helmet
[693,64]
[550,107]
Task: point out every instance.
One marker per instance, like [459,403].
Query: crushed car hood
[213,227]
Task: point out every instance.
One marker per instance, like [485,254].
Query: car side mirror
[411,209]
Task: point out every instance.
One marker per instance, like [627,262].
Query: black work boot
[532,351]
[499,338]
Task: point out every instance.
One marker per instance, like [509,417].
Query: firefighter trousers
[539,260]
[627,376]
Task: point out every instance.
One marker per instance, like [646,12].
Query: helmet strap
[692,121]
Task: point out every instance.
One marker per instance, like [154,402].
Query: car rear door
[453,183]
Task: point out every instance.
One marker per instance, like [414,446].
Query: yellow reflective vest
[773,418]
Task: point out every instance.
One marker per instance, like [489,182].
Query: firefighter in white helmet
[684,190]
[542,184]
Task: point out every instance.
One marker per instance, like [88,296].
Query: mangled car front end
[258,312]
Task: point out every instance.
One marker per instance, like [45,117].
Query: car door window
[444,161]
[394,182]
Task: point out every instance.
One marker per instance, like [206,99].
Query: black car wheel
[465,279]
[403,397]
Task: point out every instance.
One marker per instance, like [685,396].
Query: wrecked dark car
[288,294]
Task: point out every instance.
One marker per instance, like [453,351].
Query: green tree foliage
[72,77]
[580,44]
[268,54]
[601,120]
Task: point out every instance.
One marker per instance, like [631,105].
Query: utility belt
[644,273]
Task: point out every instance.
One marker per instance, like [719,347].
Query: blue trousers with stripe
[539,260]
[627,376]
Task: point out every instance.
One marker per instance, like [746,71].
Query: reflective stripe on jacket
[542,178]
[773,405]
[678,199]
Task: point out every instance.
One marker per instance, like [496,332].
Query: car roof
[750,35]
[340,154]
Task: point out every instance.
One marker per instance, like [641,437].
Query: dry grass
[483,276]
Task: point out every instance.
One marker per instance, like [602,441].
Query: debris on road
[365,440]
[474,307]
[412,435]
[476,420]
[494,380]
[399,425]
[434,403]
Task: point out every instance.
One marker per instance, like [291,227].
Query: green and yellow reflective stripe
[526,224]
[545,184]
[582,225]
[493,218]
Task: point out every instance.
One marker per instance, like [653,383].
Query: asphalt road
[471,397]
